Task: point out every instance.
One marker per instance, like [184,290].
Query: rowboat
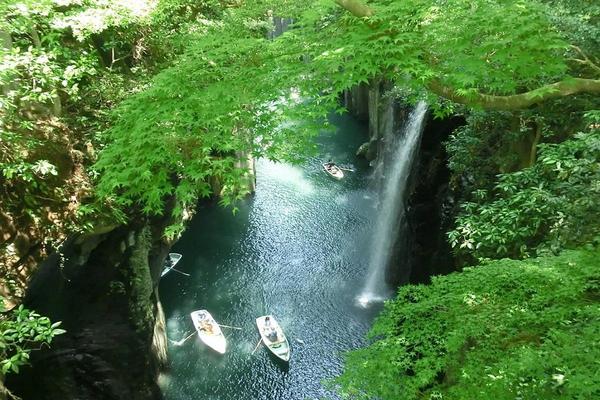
[170,263]
[273,337]
[333,170]
[209,331]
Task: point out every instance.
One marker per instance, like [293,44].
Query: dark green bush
[506,330]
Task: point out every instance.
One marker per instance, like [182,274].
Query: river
[297,249]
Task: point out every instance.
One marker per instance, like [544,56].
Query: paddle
[181,272]
[182,341]
[346,169]
[257,344]
[231,327]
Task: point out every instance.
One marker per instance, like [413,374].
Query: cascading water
[391,204]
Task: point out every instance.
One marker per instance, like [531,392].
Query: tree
[550,205]
[229,96]
[64,64]
[480,39]
[230,92]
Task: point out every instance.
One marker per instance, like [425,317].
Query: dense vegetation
[508,329]
[231,92]
[526,181]
[549,205]
[64,64]
[112,109]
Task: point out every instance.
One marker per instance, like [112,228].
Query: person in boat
[206,326]
[168,261]
[204,323]
[330,166]
[270,330]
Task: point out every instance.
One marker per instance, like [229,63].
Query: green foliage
[505,330]
[21,331]
[175,21]
[578,21]
[50,53]
[226,98]
[551,204]
[223,98]
[63,65]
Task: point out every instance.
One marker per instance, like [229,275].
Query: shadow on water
[297,249]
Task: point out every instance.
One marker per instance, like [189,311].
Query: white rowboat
[209,331]
[174,257]
[273,337]
[333,170]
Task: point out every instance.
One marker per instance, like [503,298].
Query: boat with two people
[333,170]
[209,331]
[273,337]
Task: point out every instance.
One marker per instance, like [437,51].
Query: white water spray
[391,205]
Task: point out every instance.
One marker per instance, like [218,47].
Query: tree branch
[586,60]
[356,8]
[556,90]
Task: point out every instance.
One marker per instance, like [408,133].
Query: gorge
[455,259]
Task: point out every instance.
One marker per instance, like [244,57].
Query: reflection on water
[297,250]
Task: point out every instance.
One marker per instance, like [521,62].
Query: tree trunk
[556,90]
[56,102]
[6,43]
[536,140]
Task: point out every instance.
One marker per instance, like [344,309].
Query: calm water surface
[297,249]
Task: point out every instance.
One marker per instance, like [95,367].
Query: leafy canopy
[232,92]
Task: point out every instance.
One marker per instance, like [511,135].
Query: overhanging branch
[556,90]
[518,101]
[356,8]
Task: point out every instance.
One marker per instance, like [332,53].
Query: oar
[181,272]
[231,327]
[257,344]
[346,169]
[182,341]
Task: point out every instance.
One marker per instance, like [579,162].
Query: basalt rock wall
[431,205]
[103,287]
[422,249]
[372,103]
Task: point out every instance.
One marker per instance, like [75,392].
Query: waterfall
[396,166]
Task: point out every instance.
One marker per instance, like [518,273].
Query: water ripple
[296,249]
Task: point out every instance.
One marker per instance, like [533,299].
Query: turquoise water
[297,249]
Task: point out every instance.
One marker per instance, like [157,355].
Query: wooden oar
[182,341]
[257,344]
[231,327]
[181,272]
